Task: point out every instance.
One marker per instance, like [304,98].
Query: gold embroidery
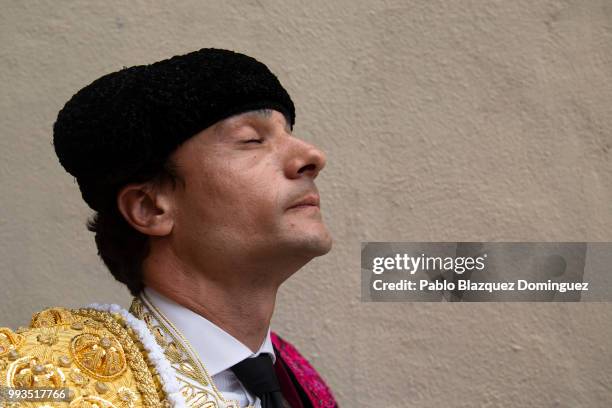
[77,377]
[51,317]
[101,388]
[101,343]
[13,355]
[199,398]
[48,339]
[174,350]
[29,372]
[126,396]
[132,354]
[204,396]
[64,361]
[9,340]
[77,325]
[91,401]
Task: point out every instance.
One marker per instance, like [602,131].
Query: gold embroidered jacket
[103,356]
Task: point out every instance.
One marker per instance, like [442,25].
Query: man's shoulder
[96,354]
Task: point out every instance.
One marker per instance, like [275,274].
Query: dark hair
[121,247]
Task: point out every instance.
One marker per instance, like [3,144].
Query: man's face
[244,180]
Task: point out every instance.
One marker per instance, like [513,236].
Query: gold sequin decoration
[100,357]
[64,361]
[77,377]
[13,355]
[101,388]
[126,396]
[77,326]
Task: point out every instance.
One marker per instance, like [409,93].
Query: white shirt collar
[217,349]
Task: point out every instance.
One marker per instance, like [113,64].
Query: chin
[307,240]
[313,245]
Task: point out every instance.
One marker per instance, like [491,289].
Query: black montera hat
[122,127]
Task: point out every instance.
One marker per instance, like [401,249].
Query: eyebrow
[258,113]
[266,113]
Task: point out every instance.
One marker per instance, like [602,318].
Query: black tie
[258,376]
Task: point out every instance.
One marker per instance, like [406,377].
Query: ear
[146,209]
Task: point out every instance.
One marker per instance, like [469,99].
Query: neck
[244,316]
[240,306]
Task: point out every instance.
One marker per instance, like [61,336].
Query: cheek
[255,196]
[243,197]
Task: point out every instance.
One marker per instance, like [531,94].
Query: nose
[304,160]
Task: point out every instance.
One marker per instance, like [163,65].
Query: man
[205,204]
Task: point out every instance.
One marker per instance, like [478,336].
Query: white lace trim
[155,354]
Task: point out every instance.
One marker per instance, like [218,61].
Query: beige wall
[442,120]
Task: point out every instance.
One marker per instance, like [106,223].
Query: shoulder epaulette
[93,354]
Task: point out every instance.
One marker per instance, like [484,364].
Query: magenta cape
[301,385]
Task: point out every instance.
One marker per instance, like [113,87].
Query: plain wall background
[442,121]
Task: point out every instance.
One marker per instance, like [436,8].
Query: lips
[311,200]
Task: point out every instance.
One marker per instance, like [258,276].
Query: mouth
[310,201]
